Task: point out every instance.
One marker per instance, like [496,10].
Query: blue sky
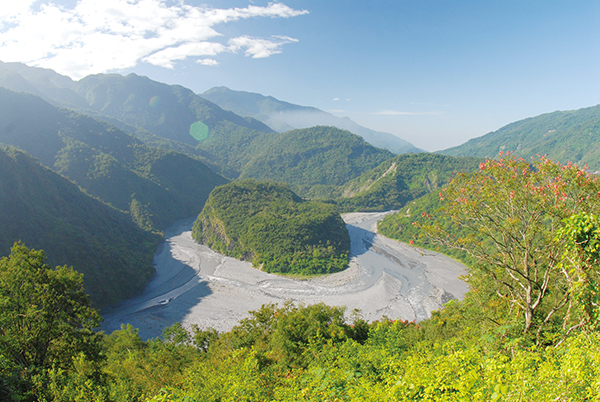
[435,73]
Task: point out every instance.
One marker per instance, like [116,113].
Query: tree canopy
[266,223]
[46,318]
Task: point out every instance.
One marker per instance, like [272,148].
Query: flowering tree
[506,216]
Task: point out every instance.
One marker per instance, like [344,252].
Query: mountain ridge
[284,116]
[564,136]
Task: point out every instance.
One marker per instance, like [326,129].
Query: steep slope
[47,84]
[564,136]
[157,186]
[266,223]
[314,161]
[169,111]
[46,211]
[401,179]
[284,116]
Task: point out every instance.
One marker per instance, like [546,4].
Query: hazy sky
[435,73]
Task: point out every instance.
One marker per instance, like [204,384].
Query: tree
[581,260]
[45,315]
[506,217]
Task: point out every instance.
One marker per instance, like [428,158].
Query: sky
[433,72]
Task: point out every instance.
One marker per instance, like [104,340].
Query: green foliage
[268,224]
[406,226]
[581,236]
[399,180]
[316,156]
[565,136]
[508,215]
[108,163]
[45,210]
[46,319]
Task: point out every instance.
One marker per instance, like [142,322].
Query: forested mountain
[45,83]
[401,179]
[266,223]
[314,161]
[173,117]
[169,111]
[47,211]
[565,136]
[283,116]
[156,186]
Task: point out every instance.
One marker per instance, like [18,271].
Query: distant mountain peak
[283,116]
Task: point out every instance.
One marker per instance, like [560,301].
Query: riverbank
[197,286]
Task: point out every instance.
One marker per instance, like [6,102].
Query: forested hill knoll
[156,186]
[564,136]
[47,211]
[401,179]
[266,223]
[283,116]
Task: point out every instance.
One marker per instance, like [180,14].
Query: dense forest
[526,330]
[266,223]
[45,210]
[128,159]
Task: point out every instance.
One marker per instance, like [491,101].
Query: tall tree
[45,315]
[506,216]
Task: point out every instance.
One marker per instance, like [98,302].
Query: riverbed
[195,285]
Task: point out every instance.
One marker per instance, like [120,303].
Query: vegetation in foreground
[527,329]
[266,223]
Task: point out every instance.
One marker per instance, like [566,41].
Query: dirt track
[195,285]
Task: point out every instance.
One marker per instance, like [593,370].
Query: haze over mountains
[564,136]
[284,116]
[150,153]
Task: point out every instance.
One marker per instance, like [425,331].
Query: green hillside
[157,186]
[314,161]
[401,179]
[268,224]
[46,211]
[169,111]
[564,136]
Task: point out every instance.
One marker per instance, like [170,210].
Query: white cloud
[259,48]
[336,99]
[207,62]
[98,36]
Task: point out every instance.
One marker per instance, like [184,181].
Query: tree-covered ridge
[314,161]
[528,329]
[564,136]
[157,186]
[401,179]
[166,110]
[46,211]
[266,223]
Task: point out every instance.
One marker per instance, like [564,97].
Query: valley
[197,286]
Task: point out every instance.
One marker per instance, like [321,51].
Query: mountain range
[284,116]
[142,154]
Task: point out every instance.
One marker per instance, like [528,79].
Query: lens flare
[199,131]
[154,101]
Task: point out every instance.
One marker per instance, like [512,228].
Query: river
[197,286]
